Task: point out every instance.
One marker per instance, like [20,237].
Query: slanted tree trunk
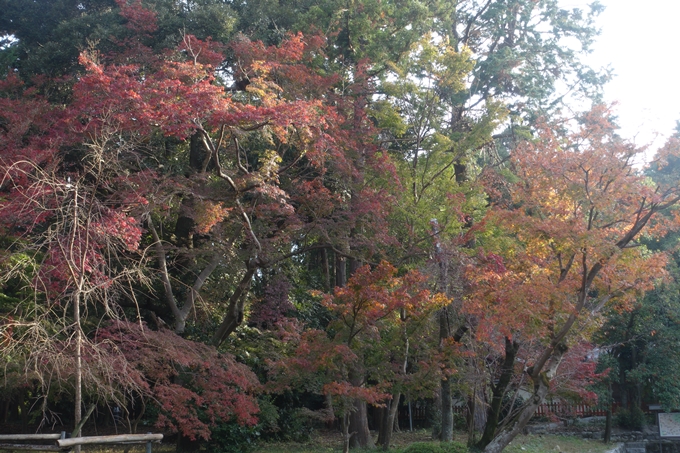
[388,421]
[541,381]
[234,316]
[498,391]
[180,314]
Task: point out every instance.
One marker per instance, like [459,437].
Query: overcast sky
[639,40]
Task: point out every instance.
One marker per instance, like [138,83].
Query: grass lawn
[555,443]
[332,443]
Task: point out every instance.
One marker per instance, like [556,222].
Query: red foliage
[568,222]
[274,306]
[140,20]
[195,386]
[577,374]
[363,358]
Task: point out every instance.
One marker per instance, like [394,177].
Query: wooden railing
[563,409]
[60,443]
[560,409]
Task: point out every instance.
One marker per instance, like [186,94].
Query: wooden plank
[110,439]
[30,447]
[29,436]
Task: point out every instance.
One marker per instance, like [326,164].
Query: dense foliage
[216,215]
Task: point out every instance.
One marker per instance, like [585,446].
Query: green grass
[522,444]
[331,443]
[156,448]
[555,443]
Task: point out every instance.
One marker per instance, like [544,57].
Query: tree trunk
[340,271]
[446,433]
[498,391]
[608,420]
[541,382]
[234,316]
[79,368]
[472,411]
[358,426]
[326,270]
[346,435]
[388,420]
[358,419]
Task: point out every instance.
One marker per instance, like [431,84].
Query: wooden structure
[59,442]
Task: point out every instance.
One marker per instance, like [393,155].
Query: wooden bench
[9,442]
[60,443]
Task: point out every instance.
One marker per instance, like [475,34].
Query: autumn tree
[197,387]
[49,35]
[575,217]
[68,244]
[88,186]
[376,346]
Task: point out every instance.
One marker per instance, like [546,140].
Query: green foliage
[231,437]
[646,339]
[633,419]
[295,424]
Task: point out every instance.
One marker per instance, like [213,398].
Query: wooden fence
[59,442]
[420,412]
[563,409]
[560,409]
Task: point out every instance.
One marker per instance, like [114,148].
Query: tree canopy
[215,212]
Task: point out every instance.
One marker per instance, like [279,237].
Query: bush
[230,437]
[633,419]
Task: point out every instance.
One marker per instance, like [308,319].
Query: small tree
[367,355]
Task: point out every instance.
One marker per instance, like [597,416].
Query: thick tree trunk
[498,391]
[541,382]
[358,426]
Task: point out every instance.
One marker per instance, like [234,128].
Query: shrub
[230,437]
[633,419]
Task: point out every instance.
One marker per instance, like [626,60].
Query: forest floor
[331,442]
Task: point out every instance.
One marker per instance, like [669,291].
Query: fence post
[148,446]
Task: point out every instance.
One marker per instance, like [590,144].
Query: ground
[331,442]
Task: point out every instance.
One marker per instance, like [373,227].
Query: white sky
[639,41]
